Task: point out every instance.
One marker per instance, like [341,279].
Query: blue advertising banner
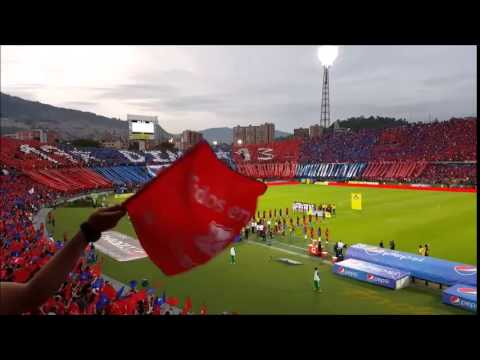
[461,295]
[372,273]
[422,267]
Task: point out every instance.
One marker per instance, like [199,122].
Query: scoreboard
[141,127]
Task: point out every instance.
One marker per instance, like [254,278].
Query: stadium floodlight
[170,140]
[327,54]
[239,141]
[215,142]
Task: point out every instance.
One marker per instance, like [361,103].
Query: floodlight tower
[326,55]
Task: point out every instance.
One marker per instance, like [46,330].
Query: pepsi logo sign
[370,277]
[341,269]
[454,299]
[468,291]
[374,251]
[465,270]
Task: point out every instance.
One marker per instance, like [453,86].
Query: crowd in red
[280,170]
[25,249]
[449,174]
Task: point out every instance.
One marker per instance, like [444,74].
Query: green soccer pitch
[259,285]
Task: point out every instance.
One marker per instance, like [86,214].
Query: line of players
[326,210]
[268,227]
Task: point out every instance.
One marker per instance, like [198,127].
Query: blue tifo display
[421,267]
[461,295]
[372,273]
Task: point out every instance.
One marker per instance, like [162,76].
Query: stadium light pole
[215,143]
[327,55]
[239,141]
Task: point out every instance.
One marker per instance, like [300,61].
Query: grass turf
[256,285]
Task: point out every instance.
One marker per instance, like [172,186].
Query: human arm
[16,298]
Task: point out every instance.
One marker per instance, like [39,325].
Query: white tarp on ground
[119,246]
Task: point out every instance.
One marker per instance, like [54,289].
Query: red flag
[192,210]
[187,306]
[109,291]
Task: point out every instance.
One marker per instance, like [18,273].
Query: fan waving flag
[192,210]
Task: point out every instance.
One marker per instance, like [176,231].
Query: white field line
[288,251]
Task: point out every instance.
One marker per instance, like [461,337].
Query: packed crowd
[24,249]
[399,153]
[461,174]
[348,146]
[453,140]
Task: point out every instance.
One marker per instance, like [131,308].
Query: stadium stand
[275,160]
[69,180]
[35,175]
[125,175]
[406,153]
[24,250]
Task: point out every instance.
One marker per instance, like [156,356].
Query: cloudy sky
[198,87]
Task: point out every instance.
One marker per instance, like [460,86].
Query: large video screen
[143,127]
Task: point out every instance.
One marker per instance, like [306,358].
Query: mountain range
[18,114]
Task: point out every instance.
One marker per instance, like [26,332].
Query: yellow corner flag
[356,201]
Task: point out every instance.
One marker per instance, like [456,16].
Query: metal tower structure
[325,110]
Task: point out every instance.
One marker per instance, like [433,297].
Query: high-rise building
[189,138]
[43,136]
[261,134]
[301,133]
[239,134]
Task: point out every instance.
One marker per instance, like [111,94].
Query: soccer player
[334,207]
[421,250]
[232,255]
[319,233]
[298,221]
[316,280]
[427,250]
[292,232]
[392,245]
[381,244]
[253,226]
[327,236]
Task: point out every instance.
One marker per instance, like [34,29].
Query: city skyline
[199,87]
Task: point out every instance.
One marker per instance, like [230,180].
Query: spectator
[17,298]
